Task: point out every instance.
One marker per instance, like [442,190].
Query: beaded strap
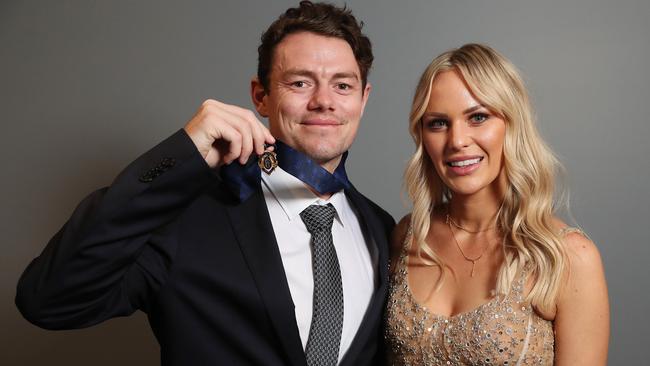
[570,229]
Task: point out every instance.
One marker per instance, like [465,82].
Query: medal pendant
[268,162]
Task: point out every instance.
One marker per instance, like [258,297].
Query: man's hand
[224,133]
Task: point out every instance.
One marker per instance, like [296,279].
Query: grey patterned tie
[327,318]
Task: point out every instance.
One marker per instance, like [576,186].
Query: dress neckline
[404,258]
[424,308]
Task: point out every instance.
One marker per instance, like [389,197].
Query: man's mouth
[321,122]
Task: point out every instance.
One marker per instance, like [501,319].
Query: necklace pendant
[472,273]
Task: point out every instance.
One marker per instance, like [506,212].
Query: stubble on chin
[319,152]
[325,155]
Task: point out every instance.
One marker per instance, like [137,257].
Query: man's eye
[344,86]
[478,117]
[299,84]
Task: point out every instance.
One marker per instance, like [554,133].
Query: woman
[483,272]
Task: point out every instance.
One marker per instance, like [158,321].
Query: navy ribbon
[243,180]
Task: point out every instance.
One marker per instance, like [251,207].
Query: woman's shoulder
[584,274]
[585,262]
[582,305]
[577,244]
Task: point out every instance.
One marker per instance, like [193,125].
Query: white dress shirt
[286,197]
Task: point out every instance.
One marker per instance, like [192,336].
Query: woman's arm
[582,318]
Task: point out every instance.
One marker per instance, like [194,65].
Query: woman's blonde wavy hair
[526,217]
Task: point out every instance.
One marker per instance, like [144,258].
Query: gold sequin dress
[503,331]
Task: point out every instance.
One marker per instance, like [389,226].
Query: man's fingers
[260,133]
[246,145]
[233,137]
[266,136]
[259,137]
[241,122]
[227,132]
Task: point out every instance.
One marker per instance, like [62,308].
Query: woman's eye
[478,117]
[436,124]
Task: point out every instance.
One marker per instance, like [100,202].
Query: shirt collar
[294,196]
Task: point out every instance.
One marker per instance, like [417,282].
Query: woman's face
[463,139]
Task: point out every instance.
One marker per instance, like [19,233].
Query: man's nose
[321,99]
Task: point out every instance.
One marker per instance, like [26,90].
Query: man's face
[315,98]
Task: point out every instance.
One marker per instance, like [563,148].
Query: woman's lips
[464,166]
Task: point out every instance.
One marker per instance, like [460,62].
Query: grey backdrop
[87,86]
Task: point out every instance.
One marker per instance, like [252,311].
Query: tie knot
[318,218]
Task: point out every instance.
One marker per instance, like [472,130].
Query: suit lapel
[252,226]
[376,232]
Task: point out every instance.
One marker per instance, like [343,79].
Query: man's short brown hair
[320,18]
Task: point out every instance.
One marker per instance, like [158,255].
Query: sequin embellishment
[504,331]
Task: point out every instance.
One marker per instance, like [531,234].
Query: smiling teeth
[464,162]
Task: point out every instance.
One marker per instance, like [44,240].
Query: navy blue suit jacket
[169,239]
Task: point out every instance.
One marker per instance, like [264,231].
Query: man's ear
[364,96]
[259,97]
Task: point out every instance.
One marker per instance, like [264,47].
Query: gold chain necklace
[449,221]
[453,222]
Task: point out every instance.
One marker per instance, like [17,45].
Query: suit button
[164,165]
[167,163]
[146,177]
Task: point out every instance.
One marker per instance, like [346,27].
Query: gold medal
[268,161]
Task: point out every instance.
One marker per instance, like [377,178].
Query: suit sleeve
[117,247]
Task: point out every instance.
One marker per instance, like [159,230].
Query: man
[233,265]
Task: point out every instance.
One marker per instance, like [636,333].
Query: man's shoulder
[386,217]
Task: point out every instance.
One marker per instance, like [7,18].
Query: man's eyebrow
[298,72]
[346,75]
[311,74]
